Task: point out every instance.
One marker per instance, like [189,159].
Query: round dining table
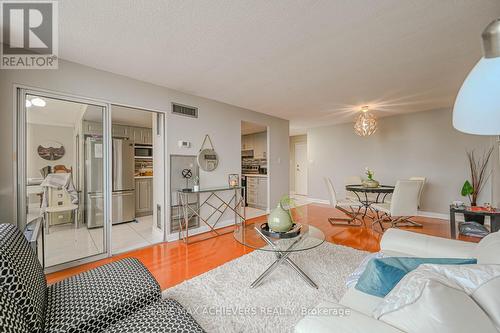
[381,192]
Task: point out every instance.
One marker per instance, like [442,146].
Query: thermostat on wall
[184,144]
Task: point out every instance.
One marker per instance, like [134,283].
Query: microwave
[143,151]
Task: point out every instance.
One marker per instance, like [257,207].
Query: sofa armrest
[351,322]
[420,245]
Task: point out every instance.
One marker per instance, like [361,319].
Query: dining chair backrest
[422,181]
[405,198]
[331,191]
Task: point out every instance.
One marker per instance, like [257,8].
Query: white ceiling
[313,62]
[55,113]
[251,128]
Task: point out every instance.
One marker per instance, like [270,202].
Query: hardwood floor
[172,263]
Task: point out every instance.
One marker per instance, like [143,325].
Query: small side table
[236,204]
[494,215]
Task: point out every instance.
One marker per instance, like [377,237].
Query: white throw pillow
[442,309]
[435,298]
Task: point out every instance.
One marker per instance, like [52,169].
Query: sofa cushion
[91,301]
[381,275]
[22,276]
[440,308]
[443,291]
[360,301]
[488,298]
[488,248]
[165,316]
[334,318]
[12,318]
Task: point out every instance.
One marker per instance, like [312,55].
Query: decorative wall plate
[51,150]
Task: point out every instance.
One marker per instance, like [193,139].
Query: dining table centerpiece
[370,182]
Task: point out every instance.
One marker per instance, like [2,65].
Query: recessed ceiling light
[28,103]
[37,101]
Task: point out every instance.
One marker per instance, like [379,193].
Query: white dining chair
[349,207]
[422,181]
[403,206]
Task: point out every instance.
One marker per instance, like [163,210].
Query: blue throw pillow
[381,275]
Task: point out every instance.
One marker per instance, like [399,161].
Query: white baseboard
[420,213]
[434,215]
[320,201]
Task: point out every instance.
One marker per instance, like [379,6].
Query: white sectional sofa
[401,243]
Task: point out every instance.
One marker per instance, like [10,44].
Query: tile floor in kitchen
[65,243]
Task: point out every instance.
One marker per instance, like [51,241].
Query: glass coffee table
[251,236]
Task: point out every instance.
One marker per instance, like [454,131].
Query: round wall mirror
[208,159]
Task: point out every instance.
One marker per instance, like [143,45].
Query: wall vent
[184,110]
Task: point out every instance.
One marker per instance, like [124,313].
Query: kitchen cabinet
[137,135]
[262,193]
[147,136]
[92,128]
[120,131]
[257,192]
[260,145]
[256,142]
[143,196]
[140,135]
[247,142]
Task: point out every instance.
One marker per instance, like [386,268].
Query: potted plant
[479,175]
[370,182]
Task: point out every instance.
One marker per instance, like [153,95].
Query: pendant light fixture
[366,123]
[477,107]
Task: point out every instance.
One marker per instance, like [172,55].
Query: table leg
[282,256]
[452,225]
[269,270]
[495,222]
[301,273]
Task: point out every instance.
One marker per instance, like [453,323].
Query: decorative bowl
[370,183]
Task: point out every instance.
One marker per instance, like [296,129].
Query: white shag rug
[221,300]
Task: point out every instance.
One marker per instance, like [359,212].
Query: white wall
[416,144]
[221,121]
[38,134]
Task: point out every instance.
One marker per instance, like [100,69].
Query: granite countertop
[254,175]
[142,177]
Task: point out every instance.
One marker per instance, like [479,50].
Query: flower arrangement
[479,175]
[369,173]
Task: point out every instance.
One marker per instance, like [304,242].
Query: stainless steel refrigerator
[123,197]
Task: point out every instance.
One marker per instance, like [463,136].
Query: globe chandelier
[366,123]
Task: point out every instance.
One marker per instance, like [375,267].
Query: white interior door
[301,168]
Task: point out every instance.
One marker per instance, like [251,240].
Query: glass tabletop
[250,235]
